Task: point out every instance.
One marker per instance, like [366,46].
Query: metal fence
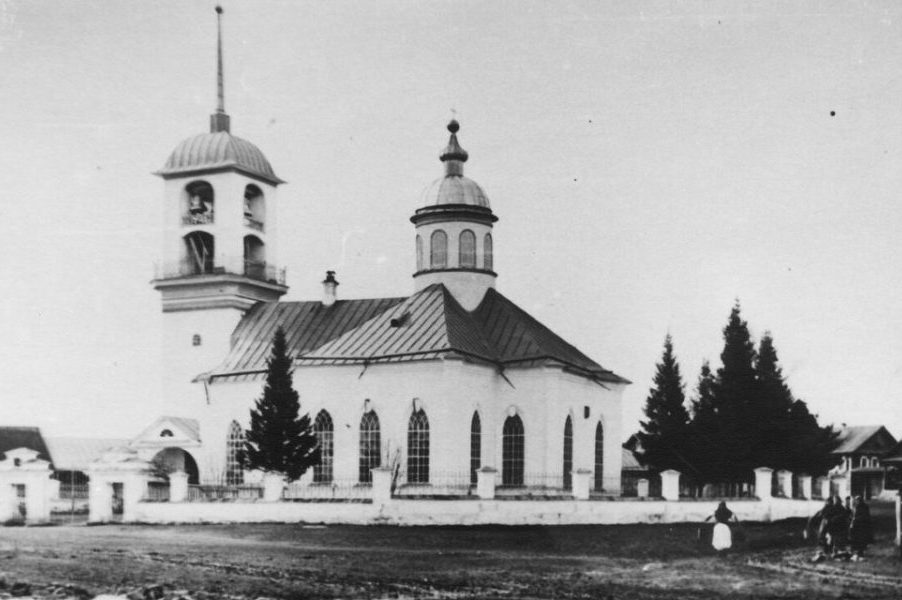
[451,484]
[73,491]
[223,493]
[725,489]
[338,490]
[156,492]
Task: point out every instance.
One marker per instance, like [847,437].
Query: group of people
[843,530]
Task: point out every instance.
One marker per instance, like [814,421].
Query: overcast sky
[650,163]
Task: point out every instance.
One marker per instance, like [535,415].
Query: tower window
[467,249]
[254,257]
[438,258]
[488,258]
[419,253]
[199,207]
[254,207]
[199,253]
[195,340]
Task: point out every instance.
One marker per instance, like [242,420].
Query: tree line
[741,417]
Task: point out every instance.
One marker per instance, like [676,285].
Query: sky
[651,163]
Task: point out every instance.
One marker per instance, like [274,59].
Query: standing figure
[839,528]
[861,533]
[722,538]
[825,519]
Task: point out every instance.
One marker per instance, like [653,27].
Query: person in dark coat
[861,532]
[825,519]
[839,528]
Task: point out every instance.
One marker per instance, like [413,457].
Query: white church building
[448,378]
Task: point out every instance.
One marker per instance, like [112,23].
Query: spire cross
[220,94]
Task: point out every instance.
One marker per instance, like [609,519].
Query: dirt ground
[296,561]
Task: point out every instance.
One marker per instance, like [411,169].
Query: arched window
[254,257]
[568,454]
[475,447]
[199,254]
[323,430]
[488,259]
[234,446]
[198,206]
[418,448]
[254,207]
[599,457]
[512,438]
[370,446]
[438,257]
[467,249]
[420,265]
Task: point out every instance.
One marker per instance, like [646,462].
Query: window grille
[467,249]
[475,447]
[370,446]
[488,258]
[324,431]
[418,448]
[512,439]
[599,457]
[439,250]
[568,454]
[234,446]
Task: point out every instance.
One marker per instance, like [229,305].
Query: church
[447,379]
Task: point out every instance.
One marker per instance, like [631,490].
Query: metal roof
[864,439]
[431,324]
[75,454]
[215,151]
[307,325]
[455,189]
[23,437]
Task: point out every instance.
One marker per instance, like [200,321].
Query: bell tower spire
[219,121]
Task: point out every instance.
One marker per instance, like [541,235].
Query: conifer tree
[772,409]
[279,440]
[665,432]
[704,429]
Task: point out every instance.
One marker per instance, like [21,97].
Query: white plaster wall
[449,392]
[469,512]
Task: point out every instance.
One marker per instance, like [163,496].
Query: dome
[455,189]
[218,150]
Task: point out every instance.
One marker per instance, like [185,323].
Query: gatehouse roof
[23,437]
[865,439]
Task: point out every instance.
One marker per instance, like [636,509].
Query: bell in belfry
[196,205]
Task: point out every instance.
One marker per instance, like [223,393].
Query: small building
[861,451]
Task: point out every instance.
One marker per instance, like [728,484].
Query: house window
[568,454]
[475,447]
[438,258]
[370,446]
[420,265]
[467,249]
[323,430]
[599,457]
[418,448]
[234,447]
[488,260]
[512,438]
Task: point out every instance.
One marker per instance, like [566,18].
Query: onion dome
[218,150]
[454,188]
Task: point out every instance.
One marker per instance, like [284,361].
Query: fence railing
[727,489]
[348,490]
[259,270]
[441,483]
[73,491]
[220,493]
[156,492]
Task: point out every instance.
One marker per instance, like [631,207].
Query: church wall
[449,391]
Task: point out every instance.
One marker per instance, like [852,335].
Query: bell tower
[219,254]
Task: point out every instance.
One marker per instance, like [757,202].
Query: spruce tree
[736,394]
[772,409]
[704,429]
[279,441]
[664,435]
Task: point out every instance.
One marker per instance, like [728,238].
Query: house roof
[23,437]
[864,439]
[75,454]
[428,325]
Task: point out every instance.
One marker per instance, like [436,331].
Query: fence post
[805,489]
[825,487]
[273,486]
[382,485]
[485,483]
[763,480]
[581,483]
[178,486]
[642,488]
[784,483]
[670,485]
[23,467]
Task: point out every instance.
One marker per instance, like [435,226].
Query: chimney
[329,289]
